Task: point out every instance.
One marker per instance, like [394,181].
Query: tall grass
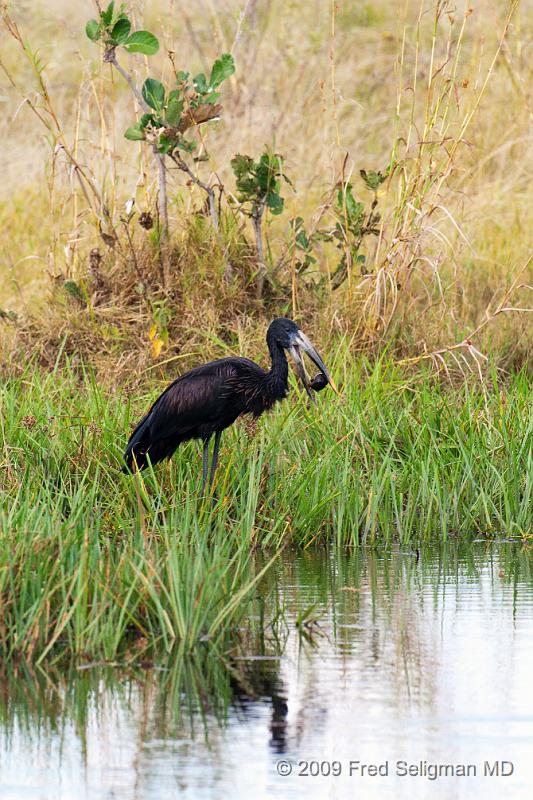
[417,87]
[94,560]
[186,693]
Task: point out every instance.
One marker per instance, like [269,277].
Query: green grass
[185,696]
[95,563]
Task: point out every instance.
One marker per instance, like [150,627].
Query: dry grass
[440,93]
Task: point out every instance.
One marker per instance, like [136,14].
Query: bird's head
[286,333]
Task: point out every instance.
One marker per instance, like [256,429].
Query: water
[420,658]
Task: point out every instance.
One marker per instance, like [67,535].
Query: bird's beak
[300,340]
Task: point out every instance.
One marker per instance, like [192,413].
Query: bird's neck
[278,377]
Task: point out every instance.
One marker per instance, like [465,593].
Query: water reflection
[367,656]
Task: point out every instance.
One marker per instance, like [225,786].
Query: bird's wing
[193,399]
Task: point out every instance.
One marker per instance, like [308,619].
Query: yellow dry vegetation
[440,90]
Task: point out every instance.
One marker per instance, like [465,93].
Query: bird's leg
[214,462]
[205,464]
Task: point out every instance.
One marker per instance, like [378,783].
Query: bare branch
[184,167]
[110,57]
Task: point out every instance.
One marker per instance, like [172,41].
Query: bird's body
[200,403]
[209,398]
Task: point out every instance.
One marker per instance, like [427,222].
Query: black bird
[209,399]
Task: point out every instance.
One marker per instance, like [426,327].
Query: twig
[134,255]
[257,217]
[181,164]
[110,57]
[184,167]
[55,129]
[466,342]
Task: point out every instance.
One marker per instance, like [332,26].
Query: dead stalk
[257,218]
[490,315]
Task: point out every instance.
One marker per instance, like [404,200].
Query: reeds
[95,562]
[193,694]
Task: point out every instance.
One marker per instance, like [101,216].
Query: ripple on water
[396,658]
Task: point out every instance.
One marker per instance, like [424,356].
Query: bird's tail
[142,449]
[135,456]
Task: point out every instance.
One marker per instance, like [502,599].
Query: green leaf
[266,177]
[92,29]
[181,76]
[275,202]
[245,178]
[107,15]
[241,164]
[186,145]
[121,31]
[222,69]
[142,42]
[200,83]
[347,201]
[166,144]
[247,188]
[259,182]
[135,133]
[287,179]
[74,290]
[373,179]
[145,120]
[268,171]
[302,240]
[174,109]
[212,97]
[153,93]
